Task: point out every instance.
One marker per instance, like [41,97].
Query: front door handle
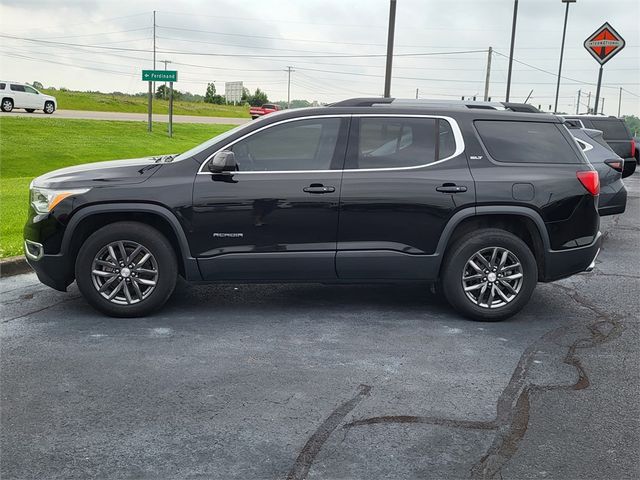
[451,188]
[318,188]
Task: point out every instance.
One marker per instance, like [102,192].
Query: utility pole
[513,40]
[589,104]
[486,80]
[390,36]
[416,94]
[164,92]
[602,107]
[578,103]
[289,70]
[564,34]
[619,101]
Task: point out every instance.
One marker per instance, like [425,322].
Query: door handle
[318,188]
[451,188]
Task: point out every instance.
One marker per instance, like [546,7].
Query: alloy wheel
[124,272]
[492,277]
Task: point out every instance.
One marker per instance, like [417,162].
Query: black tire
[7,105]
[456,266]
[150,239]
[49,108]
[30,110]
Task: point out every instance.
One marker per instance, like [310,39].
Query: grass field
[30,147]
[106,102]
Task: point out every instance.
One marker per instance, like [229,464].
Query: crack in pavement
[24,315]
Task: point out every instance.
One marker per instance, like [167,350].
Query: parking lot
[328,382]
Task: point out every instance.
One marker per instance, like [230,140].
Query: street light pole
[513,40]
[564,34]
[391,34]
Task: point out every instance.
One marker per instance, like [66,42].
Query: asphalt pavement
[328,382]
[133,117]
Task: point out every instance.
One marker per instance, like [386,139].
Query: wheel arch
[87,220]
[523,222]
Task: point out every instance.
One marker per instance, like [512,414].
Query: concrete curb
[14,266]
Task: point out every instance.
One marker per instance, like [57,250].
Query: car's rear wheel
[30,110]
[49,108]
[489,275]
[7,104]
[126,269]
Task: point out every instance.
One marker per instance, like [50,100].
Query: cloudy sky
[336,47]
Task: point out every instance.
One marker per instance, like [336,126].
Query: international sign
[160,75]
[604,43]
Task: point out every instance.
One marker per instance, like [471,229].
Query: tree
[259,98]
[163,92]
[37,85]
[211,97]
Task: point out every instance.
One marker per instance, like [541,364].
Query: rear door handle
[450,188]
[318,188]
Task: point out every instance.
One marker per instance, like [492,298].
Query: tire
[7,105]
[49,108]
[459,272]
[138,291]
[30,110]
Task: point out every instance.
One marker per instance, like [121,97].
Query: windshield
[203,146]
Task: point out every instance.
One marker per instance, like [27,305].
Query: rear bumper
[564,263]
[612,203]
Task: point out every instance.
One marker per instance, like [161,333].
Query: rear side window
[526,142]
[396,142]
[612,129]
[17,88]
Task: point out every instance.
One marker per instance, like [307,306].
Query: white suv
[21,95]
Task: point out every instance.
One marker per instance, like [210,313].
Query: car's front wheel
[489,275]
[126,269]
[7,105]
[49,108]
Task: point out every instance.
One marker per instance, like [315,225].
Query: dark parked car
[486,203]
[610,167]
[614,131]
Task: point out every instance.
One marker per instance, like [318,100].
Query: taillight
[590,181]
[617,165]
[633,148]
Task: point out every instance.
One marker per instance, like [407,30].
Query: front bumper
[52,270]
[564,263]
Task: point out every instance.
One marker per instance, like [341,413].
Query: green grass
[30,147]
[108,102]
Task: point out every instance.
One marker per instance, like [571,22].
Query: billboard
[233,91]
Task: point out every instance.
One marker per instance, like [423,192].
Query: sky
[336,48]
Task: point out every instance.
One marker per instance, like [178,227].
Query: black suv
[614,131]
[480,202]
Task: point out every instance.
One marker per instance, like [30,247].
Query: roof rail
[362,102]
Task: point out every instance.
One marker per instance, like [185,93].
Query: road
[132,117]
[328,382]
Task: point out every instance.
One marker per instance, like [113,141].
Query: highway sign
[604,43]
[160,75]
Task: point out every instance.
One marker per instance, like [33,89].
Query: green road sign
[160,75]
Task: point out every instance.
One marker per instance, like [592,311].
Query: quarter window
[28,89]
[298,145]
[399,142]
[526,142]
[17,88]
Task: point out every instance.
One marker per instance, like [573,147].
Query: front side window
[17,88]
[526,142]
[394,143]
[29,89]
[298,145]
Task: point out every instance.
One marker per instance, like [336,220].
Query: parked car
[636,142]
[265,109]
[610,167]
[21,95]
[614,131]
[482,202]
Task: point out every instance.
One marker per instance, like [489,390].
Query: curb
[14,266]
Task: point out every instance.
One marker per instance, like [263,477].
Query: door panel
[269,225]
[391,220]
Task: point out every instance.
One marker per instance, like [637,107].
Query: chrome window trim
[457,135]
[587,146]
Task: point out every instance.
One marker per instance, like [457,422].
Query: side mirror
[629,167]
[223,162]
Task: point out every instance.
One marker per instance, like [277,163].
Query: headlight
[43,200]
